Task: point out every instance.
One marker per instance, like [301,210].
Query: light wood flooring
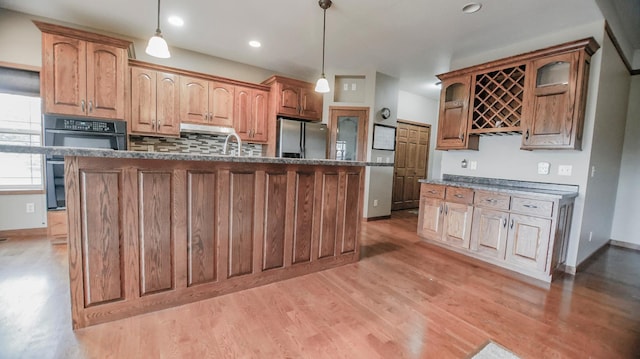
[403,299]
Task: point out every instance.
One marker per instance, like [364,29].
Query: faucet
[226,143]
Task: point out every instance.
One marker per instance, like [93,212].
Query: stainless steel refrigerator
[299,139]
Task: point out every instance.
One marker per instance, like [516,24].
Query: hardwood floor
[403,299]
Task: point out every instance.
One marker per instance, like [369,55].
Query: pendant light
[322,85]
[157,46]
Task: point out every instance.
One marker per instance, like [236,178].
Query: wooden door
[143,101]
[348,128]
[221,97]
[64,75]
[549,112]
[194,100]
[168,104]
[106,80]
[489,232]
[410,165]
[242,113]
[289,99]
[259,115]
[311,104]
[457,224]
[454,113]
[430,218]
[528,241]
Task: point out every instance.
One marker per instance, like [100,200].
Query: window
[20,124]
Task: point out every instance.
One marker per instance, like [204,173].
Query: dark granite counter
[106,153]
[551,190]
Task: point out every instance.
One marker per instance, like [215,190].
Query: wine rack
[497,101]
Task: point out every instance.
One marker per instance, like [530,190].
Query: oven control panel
[88,126]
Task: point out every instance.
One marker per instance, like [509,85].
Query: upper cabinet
[82,73]
[295,98]
[206,102]
[251,113]
[454,112]
[554,114]
[155,102]
[539,95]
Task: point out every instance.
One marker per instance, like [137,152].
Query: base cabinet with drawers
[524,233]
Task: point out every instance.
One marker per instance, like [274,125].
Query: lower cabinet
[522,233]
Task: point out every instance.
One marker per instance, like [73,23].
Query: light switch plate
[543,168]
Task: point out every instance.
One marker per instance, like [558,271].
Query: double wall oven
[78,132]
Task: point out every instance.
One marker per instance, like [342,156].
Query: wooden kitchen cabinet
[445,214]
[206,102]
[540,95]
[155,102]
[295,98]
[251,114]
[83,73]
[526,233]
[557,91]
[453,122]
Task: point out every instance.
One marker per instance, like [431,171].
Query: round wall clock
[385,113]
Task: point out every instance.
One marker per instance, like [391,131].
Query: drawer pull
[458,196]
[530,205]
[432,191]
[491,200]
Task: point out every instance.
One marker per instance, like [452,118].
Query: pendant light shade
[157,46]
[322,86]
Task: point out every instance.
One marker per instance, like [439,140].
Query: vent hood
[206,129]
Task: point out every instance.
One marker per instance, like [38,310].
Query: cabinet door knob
[446,209]
[440,208]
[461,137]
[511,226]
[82,105]
[526,135]
[504,222]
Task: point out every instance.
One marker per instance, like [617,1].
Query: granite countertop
[95,152]
[549,190]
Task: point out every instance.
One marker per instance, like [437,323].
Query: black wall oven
[78,132]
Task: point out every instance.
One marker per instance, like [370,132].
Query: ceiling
[412,40]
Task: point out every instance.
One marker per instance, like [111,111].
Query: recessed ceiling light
[175,20]
[470,8]
[254,43]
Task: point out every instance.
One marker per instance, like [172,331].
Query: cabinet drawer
[535,207]
[459,195]
[492,200]
[432,191]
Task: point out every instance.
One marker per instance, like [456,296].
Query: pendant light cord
[324,36]
[158,27]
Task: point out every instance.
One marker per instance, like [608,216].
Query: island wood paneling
[182,231]
[303,221]
[274,234]
[242,193]
[201,228]
[156,248]
[101,237]
[329,211]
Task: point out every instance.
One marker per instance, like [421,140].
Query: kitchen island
[154,230]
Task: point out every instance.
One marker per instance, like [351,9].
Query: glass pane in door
[347,138]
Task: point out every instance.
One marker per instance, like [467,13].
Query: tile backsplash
[191,143]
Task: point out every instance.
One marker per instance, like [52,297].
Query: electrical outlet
[346,87]
[543,168]
[473,165]
[353,86]
[379,159]
[564,170]
[149,148]
[593,171]
[375,203]
[31,207]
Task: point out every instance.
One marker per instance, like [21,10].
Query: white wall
[501,157]
[626,223]
[13,214]
[606,152]
[416,108]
